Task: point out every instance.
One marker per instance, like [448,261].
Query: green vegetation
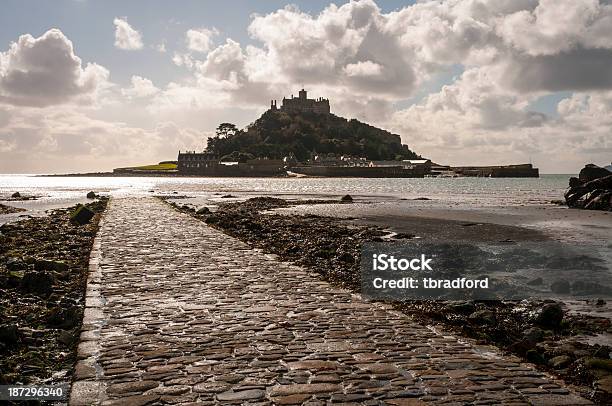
[277,134]
[158,167]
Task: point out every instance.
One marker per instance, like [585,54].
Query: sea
[55,192]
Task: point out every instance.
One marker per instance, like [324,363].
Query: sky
[91,85]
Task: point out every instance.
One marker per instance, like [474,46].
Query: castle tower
[303,94]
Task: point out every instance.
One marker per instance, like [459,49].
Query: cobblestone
[178,312]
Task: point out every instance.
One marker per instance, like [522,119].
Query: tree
[226,129]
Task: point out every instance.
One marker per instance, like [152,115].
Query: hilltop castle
[302,104]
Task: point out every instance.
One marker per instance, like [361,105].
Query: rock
[529,341]
[16,195]
[591,172]
[203,210]
[602,352]
[604,384]
[574,182]
[66,318]
[534,334]
[551,315]
[535,282]
[9,334]
[91,195]
[347,199]
[593,194]
[65,337]
[483,317]
[47,265]
[37,282]
[560,361]
[403,236]
[227,196]
[15,264]
[463,308]
[535,357]
[250,394]
[82,215]
[560,286]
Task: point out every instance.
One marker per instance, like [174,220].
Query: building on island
[302,104]
[203,164]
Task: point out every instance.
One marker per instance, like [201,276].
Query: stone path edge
[87,388]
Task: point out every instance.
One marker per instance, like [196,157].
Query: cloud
[200,40]
[67,140]
[44,71]
[141,87]
[161,47]
[126,37]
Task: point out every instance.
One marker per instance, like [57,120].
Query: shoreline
[43,272]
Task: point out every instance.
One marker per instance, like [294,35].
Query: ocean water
[54,191]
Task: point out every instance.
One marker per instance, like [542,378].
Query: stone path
[180,313]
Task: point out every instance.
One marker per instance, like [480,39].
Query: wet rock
[9,334]
[91,195]
[47,265]
[535,357]
[560,286]
[66,338]
[37,282]
[15,264]
[534,334]
[347,199]
[604,384]
[64,318]
[403,236]
[228,197]
[560,361]
[550,316]
[602,352]
[464,307]
[483,317]
[529,341]
[82,215]
[16,195]
[203,210]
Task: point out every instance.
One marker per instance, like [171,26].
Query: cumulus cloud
[42,140]
[141,87]
[200,40]
[45,70]
[390,69]
[126,37]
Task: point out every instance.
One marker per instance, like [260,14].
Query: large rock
[592,190]
[16,195]
[82,215]
[550,316]
[591,172]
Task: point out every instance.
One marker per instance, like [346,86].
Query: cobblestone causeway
[180,313]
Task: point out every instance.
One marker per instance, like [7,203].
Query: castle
[302,104]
